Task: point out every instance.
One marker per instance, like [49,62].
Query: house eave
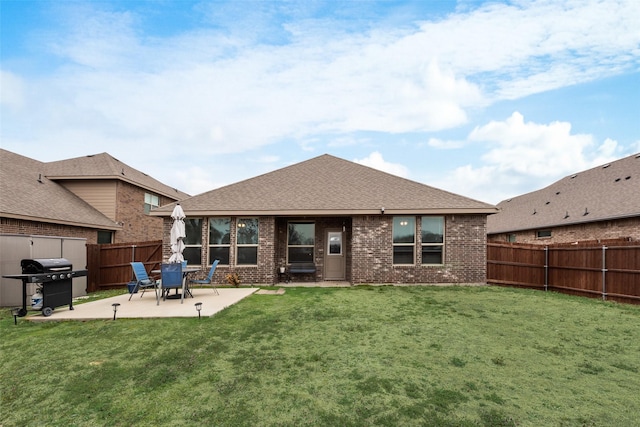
[175,197]
[329,212]
[113,227]
[565,224]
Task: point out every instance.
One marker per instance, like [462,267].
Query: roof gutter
[114,227]
[330,212]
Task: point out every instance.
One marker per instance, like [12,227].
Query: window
[300,241]
[219,240]
[404,238]
[105,237]
[150,201]
[511,237]
[247,241]
[541,234]
[432,239]
[193,242]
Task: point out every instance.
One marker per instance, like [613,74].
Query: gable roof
[606,192]
[326,185]
[105,166]
[26,193]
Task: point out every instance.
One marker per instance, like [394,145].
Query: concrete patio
[144,306]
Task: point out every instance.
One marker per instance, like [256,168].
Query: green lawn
[363,356]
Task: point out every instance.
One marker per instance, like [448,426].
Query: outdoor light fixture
[115,306]
[198,307]
[15,312]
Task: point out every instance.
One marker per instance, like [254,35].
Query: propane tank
[36,300]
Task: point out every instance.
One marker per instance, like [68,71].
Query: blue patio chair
[143,281]
[171,278]
[209,279]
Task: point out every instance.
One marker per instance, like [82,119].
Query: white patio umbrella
[177,235]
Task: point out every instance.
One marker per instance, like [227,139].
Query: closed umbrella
[177,235]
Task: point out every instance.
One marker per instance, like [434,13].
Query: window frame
[252,246]
[221,245]
[410,220]
[424,244]
[312,246]
[193,240]
[148,205]
[542,234]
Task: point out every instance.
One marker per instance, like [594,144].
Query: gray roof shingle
[602,193]
[26,193]
[326,185]
[105,166]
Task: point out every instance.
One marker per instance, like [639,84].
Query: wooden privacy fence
[610,270]
[109,265]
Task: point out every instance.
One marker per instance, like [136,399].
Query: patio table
[185,272]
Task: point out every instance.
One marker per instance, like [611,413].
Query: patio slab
[145,306]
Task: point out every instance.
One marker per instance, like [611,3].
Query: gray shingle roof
[26,193]
[602,193]
[326,185]
[104,166]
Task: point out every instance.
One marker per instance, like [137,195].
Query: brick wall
[18,226]
[368,251]
[465,252]
[622,228]
[136,224]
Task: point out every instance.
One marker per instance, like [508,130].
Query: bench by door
[334,259]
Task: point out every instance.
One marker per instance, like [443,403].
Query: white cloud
[526,156]
[445,145]
[375,160]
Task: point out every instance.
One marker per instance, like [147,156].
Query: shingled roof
[104,166]
[326,185]
[606,192]
[26,193]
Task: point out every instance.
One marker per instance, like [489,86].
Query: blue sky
[485,99]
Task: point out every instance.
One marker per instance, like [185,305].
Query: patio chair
[171,278]
[143,281]
[209,279]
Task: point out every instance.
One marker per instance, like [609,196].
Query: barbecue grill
[54,278]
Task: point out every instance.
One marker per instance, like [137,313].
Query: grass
[364,356]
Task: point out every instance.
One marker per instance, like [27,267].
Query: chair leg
[213,285]
[135,288]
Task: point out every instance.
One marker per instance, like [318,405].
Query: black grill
[54,275]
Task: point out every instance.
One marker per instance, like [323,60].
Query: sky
[486,99]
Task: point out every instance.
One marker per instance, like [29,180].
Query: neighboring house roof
[104,166]
[326,185]
[606,192]
[26,193]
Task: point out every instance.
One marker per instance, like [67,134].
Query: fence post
[546,268]
[604,272]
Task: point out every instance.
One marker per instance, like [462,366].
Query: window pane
[247,255]
[104,237]
[301,233]
[221,253]
[219,231]
[404,229]
[335,243]
[193,255]
[432,229]
[193,230]
[248,231]
[403,254]
[300,254]
[432,254]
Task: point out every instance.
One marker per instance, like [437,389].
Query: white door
[334,264]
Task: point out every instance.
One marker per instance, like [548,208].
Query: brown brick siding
[465,252]
[622,228]
[368,251]
[18,226]
[136,224]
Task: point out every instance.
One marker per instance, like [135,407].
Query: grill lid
[45,265]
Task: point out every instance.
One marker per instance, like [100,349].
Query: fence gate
[109,265]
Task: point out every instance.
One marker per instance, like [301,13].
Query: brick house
[349,222]
[95,197]
[596,204]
